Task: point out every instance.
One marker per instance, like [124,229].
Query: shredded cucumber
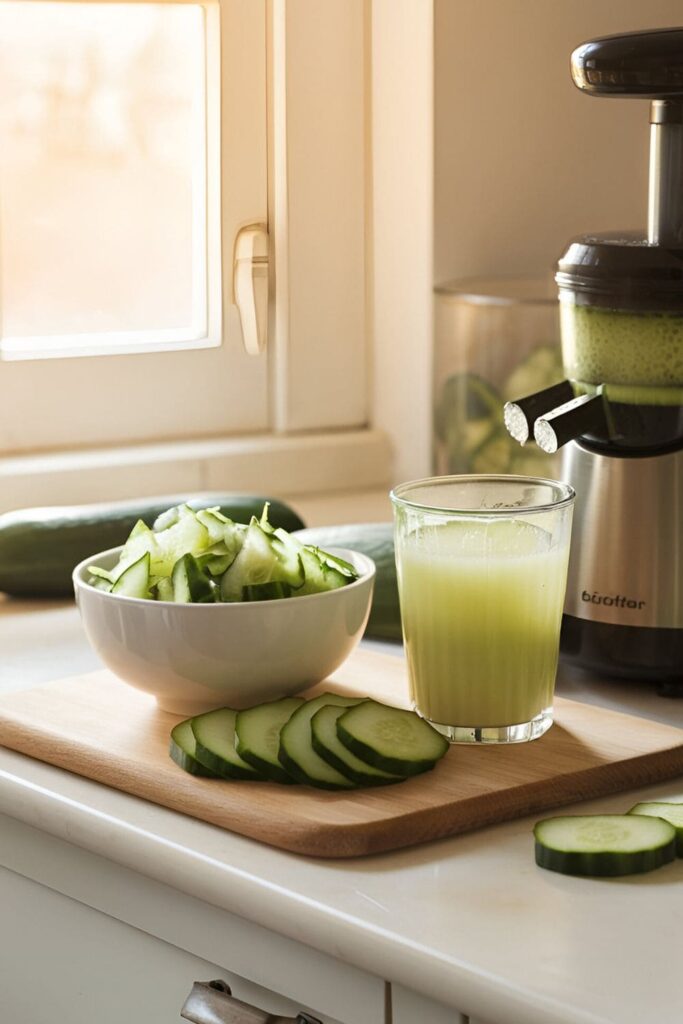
[202,556]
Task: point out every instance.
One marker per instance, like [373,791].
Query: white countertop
[469,921]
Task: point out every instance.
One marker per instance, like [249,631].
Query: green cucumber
[214,736]
[604,844]
[327,744]
[190,583]
[673,813]
[296,753]
[263,558]
[319,573]
[258,735]
[39,547]
[183,749]
[397,741]
[134,580]
[376,540]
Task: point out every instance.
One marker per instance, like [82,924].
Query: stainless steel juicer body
[624,602]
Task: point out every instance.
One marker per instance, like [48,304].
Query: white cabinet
[407,1007]
[63,961]
[85,940]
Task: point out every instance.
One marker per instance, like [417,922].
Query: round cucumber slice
[297,754]
[394,740]
[183,750]
[258,735]
[604,844]
[214,736]
[673,813]
[328,745]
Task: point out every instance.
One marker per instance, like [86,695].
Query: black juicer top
[631,274]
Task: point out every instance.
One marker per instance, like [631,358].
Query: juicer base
[629,652]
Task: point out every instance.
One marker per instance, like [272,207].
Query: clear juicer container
[495,339]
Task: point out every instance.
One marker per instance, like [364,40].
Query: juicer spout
[583,415]
[520,416]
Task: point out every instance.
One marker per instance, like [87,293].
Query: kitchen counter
[470,923]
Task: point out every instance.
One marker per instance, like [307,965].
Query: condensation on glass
[103,177]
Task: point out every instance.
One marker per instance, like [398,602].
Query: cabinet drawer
[63,961]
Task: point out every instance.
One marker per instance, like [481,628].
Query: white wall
[523,160]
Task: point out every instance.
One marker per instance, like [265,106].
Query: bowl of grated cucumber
[203,612]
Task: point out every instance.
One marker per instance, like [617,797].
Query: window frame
[380,418]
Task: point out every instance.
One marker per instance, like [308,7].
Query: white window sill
[278,466]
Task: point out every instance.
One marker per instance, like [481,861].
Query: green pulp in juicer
[638,356]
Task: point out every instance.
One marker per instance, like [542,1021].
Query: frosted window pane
[102,169]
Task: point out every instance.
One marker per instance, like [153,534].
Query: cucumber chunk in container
[604,845]
[189,582]
[392,739]
[673,813]
[203,557]
[327,744]
[296,753]
[214,736]
[258,736]
[134,580]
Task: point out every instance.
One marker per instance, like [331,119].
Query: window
[103,167]
[132,149]
[266,122]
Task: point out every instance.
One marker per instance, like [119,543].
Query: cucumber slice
[214,521]
[266,592]
[319,574]
[183,749]
[258,735]
[296,752]
[673,813]
[214,735]
[189,582]
[263,559]
[134,580]
[604,844]
[327,744]
[394,740]
[165,589]
[187,536]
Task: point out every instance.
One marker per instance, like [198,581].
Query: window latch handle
[212,1002]
[250,286]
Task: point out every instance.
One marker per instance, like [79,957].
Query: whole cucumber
[39,547]
[376,540]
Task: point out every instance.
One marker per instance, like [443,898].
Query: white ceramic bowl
[194,657]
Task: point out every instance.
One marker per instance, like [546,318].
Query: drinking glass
[482,572]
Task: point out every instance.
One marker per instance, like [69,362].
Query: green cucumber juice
[639,356]
[481,605]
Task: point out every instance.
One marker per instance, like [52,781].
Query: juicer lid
[623,271]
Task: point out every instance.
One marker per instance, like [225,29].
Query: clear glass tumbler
[482,573]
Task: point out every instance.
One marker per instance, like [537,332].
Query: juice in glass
[482,591]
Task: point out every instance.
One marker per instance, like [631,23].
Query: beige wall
[523,161]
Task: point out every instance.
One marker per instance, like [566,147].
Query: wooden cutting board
[98,727]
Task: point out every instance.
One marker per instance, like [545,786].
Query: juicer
[618,416]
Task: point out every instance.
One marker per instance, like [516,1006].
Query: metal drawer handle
[212,1002]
